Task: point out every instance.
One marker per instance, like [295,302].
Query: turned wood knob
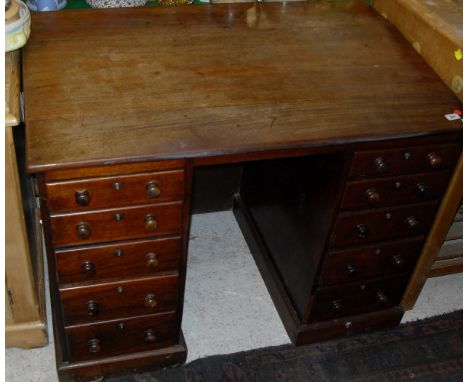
[152,189]
[83,230]
[151,223]
[362,231]
[93,308]
[372,195]
[88,269]
[350,270]
[434,160]
[421,187]
[82,197]
[412,222]
[150,336]
[380,165]
[151,260]
[381,297]
[94,345]
[398,261]
[336,305]
[150,300]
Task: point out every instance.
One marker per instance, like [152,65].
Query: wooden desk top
[107,86]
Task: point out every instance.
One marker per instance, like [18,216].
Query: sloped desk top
[121,85]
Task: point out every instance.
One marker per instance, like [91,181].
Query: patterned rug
[427,350]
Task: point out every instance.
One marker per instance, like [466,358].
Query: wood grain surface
[120,85]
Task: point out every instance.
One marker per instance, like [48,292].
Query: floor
[227,306]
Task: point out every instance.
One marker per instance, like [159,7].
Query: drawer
[356,298]
[120,299]
[396,190]
[369,262]
[129,259]
[404,160]
[115,191]
[111,338]
[116,224]
[353,228]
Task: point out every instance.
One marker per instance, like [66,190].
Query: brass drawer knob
[381,297]
[350,270]
[151,224]
[380,165]
[82,197]
[92,307]
[421,188]
[94,345]
[412,222]
[398,261]
[336,305]
[434,160]
[361,231]
[151,260]
[88,269]
[150,300]
[152,189]
[372,195]
[83,230]
[150,336]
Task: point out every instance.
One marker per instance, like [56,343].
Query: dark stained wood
[114,303]
[121,336]
[122,260]
[378,225]
[404,160]
[103,225]
[357,298]
[103,192]
[382,259]
[306,74]
[395,190]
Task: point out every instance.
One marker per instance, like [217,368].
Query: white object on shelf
[17,29]
[116,3]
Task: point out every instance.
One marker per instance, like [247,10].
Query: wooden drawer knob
[92,307]
[152,189]
[83,230]
[421,188]
[88,269]
[151,260]
[82,197]
[151,224]
[434,160]
[398,261]
[150,300]
[380,165]
[412,222]
[336,305]
[361,231]
[150,336]
[94,345]
[372,195]
[350,270]
[381,297]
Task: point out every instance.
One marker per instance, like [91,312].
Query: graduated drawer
[383,259]
[129,259]
[116,224]
[395,190]
[90,303]
[357,298]
[121,336]
[353,228]
[404,160]
[115,191]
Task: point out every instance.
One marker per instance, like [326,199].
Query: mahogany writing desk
[331,130]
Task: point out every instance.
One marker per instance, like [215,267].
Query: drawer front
[369,262]
[116,224]
[357,298]
[383,224]
[131,259]
[92,303]
[404,160]
[116,191]
[395,190]
[111,338]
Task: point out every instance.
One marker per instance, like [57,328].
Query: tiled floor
[227,306]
